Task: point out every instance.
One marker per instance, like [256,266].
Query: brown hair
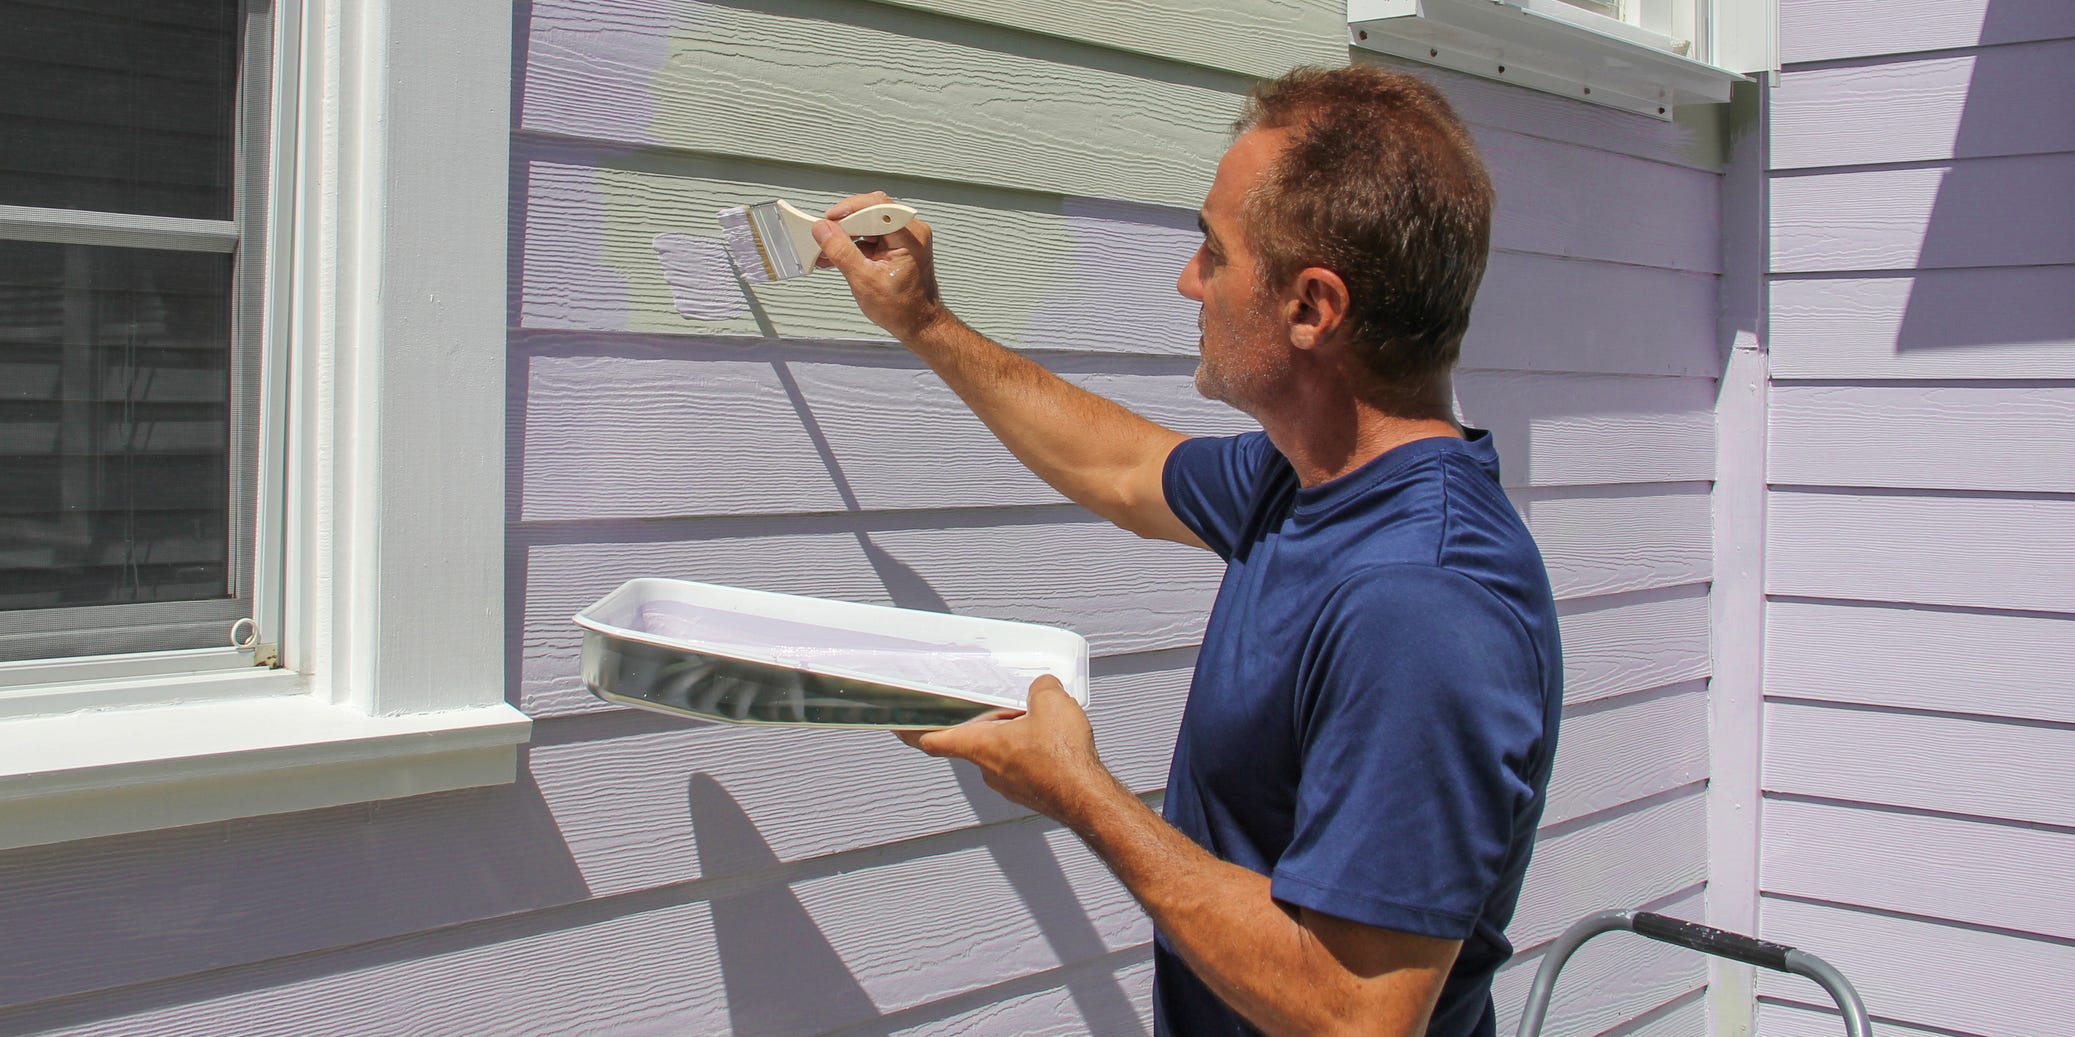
[1380,184]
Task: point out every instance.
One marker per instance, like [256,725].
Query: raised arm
[1097,453]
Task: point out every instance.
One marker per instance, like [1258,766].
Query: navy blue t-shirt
[1374,710]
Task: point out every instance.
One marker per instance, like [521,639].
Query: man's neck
[1325,431]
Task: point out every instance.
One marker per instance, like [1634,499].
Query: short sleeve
[1210,482]
[1420,730]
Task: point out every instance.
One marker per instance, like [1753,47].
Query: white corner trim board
[80,775]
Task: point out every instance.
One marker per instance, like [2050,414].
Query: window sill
[86,774]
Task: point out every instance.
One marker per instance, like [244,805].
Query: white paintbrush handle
[873,220]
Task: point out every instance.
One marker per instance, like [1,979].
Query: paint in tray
[730,654]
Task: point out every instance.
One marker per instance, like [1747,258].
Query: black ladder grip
[1710,940]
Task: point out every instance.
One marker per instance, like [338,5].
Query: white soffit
[1543,45]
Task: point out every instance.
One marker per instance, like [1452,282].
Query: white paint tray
[753,657]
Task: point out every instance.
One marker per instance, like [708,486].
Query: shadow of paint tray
[706,652]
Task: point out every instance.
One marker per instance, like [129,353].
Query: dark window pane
[118,106]
[115,402]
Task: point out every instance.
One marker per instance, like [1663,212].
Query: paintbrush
[772,241]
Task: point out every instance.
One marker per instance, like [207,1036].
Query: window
[1645,56]
[252,320]
[132,197]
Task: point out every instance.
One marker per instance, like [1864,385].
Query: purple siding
[1920,537]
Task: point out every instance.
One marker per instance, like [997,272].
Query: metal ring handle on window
[245,634]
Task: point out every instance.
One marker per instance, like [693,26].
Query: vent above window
[1642,56]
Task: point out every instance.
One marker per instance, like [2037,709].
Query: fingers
[838,249]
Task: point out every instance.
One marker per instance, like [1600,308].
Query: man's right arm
[1094,451]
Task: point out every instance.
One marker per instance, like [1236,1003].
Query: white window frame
[385,321]
[1654,57]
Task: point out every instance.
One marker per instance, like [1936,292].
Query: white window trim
[388,306]
[1560,48]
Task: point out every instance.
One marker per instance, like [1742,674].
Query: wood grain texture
[1124,594]
[1609,982]
[1990,552]
[1977,983]
[1956,662]
[783,80]
[1974,872]
[1783,1019]
[765,956]
[1543,313]
[1664,539]
[620,802]
[1819,30]
[1980,212]
[1572,430]
[2014,100]
[1255,38]
[1949,438]
[1632,642]
[1033,271]
[1553,199]
[1631,857]
[1992,769]
[2009,322]
[1054,1011]
[659,432]
[1619,750]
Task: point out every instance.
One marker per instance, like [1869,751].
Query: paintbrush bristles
[751,259]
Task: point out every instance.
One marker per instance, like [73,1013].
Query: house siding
[649,876]
[1920,541]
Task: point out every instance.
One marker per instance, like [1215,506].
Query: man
[1362,759]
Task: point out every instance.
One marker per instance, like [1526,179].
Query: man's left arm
[1288,970]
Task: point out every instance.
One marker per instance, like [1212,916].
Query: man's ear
[1316,307]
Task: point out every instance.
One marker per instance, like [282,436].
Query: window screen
[129,185]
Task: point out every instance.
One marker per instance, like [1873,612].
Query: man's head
[1368,174]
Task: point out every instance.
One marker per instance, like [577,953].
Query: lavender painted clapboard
[1921,864]
[2009,211]
[1956,978]
[1820,30]
[2013,100]
[1959,325]
[1948,660]
[1934,549]
[2003,437]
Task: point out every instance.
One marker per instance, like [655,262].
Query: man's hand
[1043,758]
[893,276]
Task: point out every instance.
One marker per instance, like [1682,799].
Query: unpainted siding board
[1974,872]
[630,242]
[1609,981]
[2009,211]
[1256,37]
[2001,437]
[1989,552]
[2005,770]
[1632,857]
[1123,593]
[1632,642]
[1579,429]
[862,86]
[1664,537]
[1620,750]
[1543,313]
[2004,322]
[1990,664]
[2014,100]
[1820,30]
[1954,978]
